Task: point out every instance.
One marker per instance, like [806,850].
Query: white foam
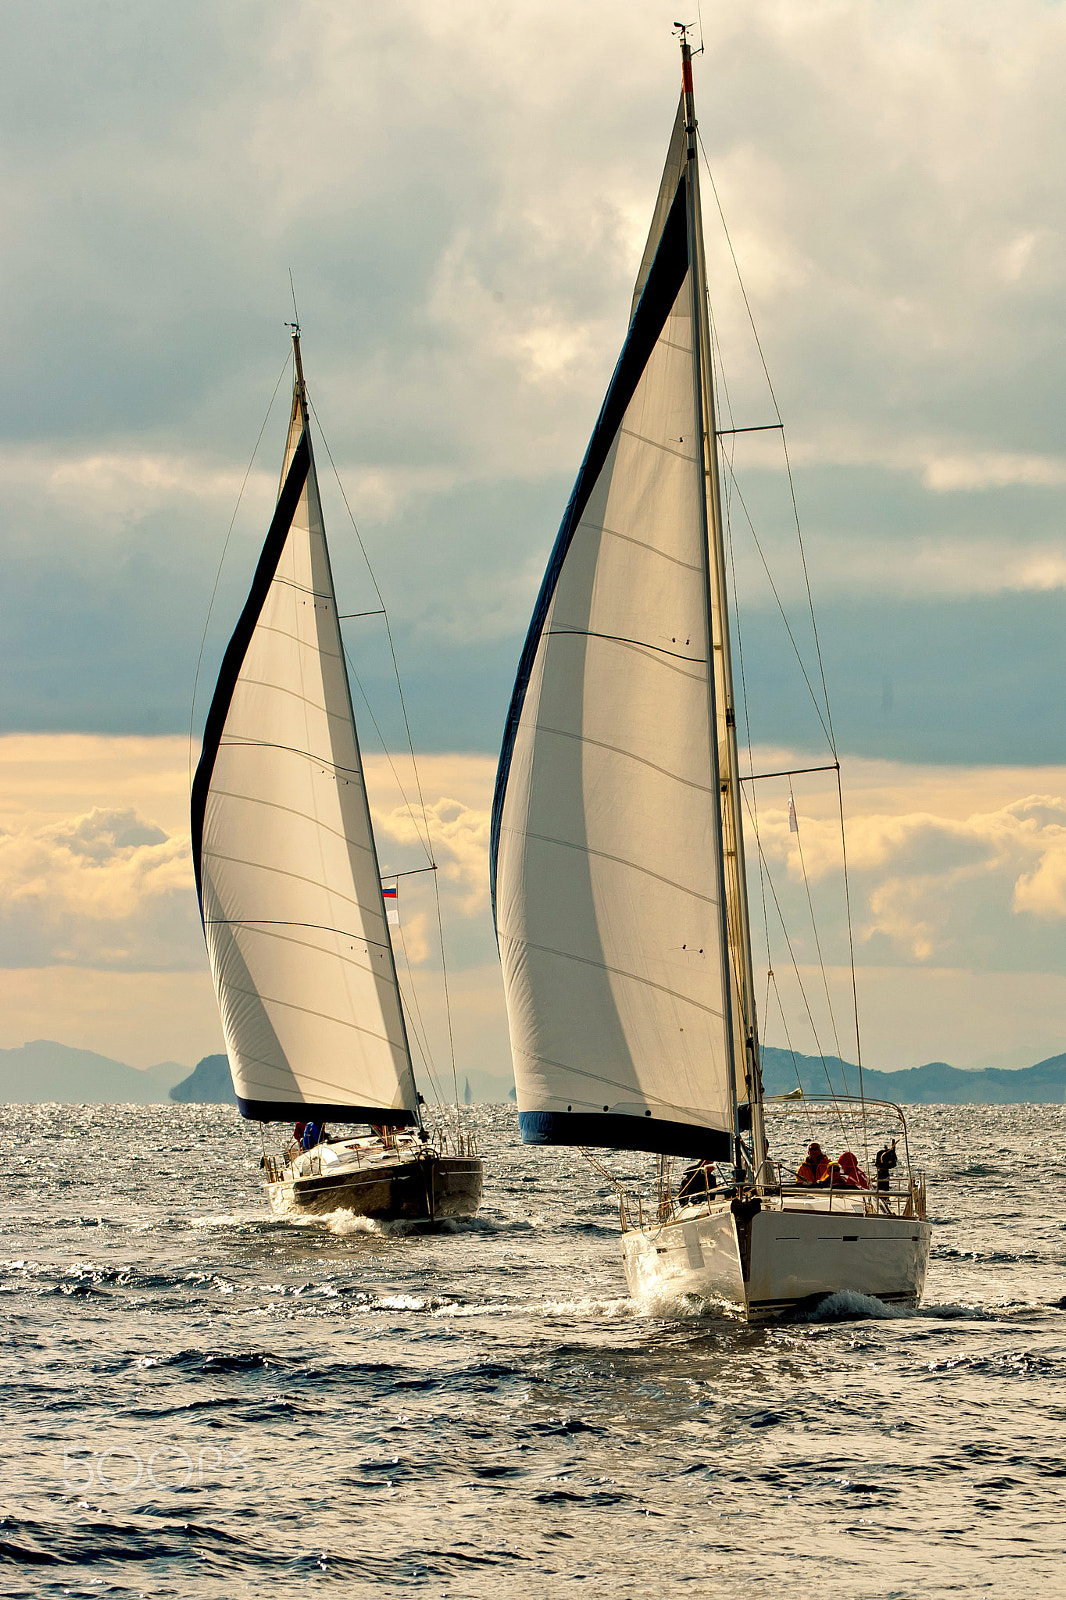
[849,1303]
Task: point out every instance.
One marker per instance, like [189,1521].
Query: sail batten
[283,841]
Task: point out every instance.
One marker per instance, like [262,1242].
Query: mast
[301,391]
[739,986]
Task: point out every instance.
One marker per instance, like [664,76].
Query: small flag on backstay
[793,825]
[390,895]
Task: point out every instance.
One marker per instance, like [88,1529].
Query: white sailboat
[291,897]
[617,853]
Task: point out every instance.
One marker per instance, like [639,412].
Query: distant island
[43,1072]
[935,1084]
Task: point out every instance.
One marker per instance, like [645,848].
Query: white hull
[778,1259]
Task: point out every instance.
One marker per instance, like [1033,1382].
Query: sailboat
[291,896]
[617,848]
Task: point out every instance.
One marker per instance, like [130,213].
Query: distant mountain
[167,1073]
[209,1084]
[43,1071]
[934,1084]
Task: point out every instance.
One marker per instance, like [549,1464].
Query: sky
[461,198]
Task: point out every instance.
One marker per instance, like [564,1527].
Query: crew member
[814,1165]
[886,1160]
[700,1179]
[853,1173]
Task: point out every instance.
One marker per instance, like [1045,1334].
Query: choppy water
[201,1401]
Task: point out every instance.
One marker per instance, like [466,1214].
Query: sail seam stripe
[604,966]
[296,639]
[321,927]
[306,1011]
[623,861]
[289,811]
[236,650]
[630,433]
[301,588]
[611,1083]
[292,749]
[661,289]
[638,644]
[640,544]
[282,872]
[628,755]
[272,1066]
[672,344]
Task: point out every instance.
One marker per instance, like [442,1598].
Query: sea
[201,1400]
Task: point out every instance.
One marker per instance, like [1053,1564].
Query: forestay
[606,848]
[286,866]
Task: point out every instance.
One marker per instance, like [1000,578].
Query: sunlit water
[200,1400]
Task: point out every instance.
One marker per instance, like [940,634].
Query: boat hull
[424,1189]
[768,1262]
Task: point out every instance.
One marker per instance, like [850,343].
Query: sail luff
[286,863]
[745,1034]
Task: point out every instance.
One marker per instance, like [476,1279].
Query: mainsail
[286,865]
[614,899]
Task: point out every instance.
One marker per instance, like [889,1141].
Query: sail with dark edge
[616,870]
[286,865]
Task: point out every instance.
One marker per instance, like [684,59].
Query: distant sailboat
[291,897]
[617,853]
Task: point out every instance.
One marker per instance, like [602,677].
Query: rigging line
[720,383]
[351,616]
[424,842]
[818,944]
[810,596]
[826,726]
[412,872]
[447,1003]
[747,741]
[388,628]
[796,970]
[414,766]
[854,981]
[421,1033]
[225,547]
[788,1041]
[784,442]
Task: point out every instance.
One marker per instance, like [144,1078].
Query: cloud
[463,312]
[985,891]
[106,889]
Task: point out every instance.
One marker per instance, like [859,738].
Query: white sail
[608,877]
[286,864]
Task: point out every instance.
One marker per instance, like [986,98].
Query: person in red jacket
[854,1176]
[814,1165]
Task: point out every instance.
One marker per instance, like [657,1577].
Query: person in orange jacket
[814,1165]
